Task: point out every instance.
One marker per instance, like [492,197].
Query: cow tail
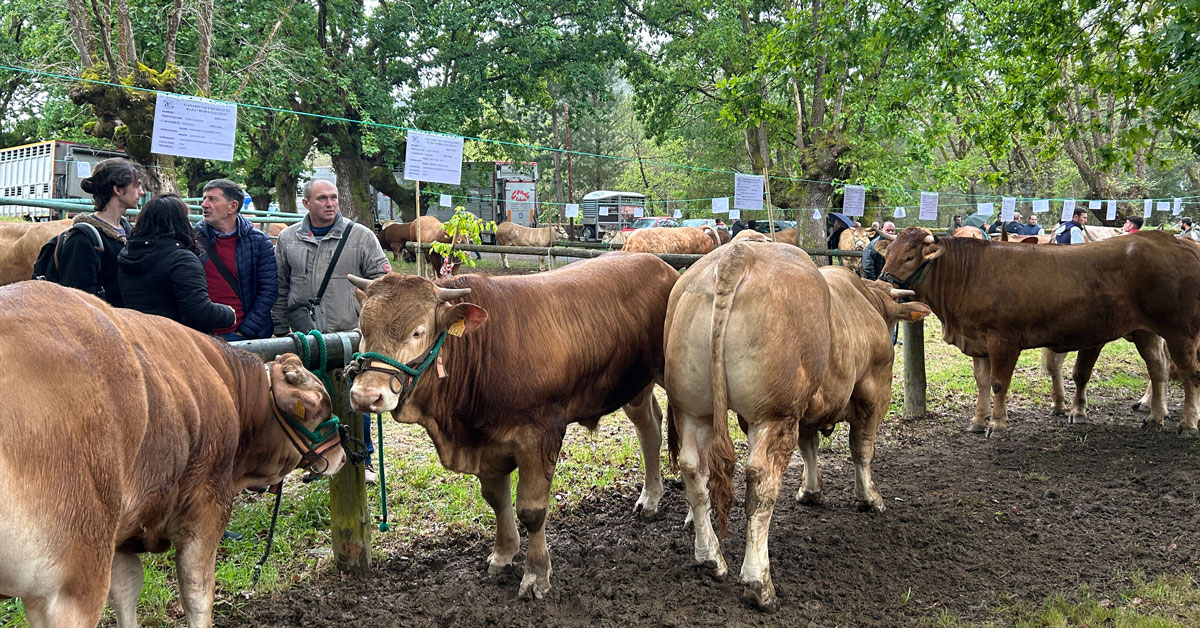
[672,437]
[730,270]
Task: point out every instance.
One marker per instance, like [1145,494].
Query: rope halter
[403,376]
[311,444]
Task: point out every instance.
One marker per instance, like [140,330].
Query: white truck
[46,170]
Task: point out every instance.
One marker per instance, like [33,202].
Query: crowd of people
[221,275]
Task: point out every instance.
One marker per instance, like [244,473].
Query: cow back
[676,240]
[788,236]
[19,246]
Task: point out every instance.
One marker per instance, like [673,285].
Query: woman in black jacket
[159,271]
[115,185]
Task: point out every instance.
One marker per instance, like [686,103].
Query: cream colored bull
[511,234]
[756,328]
[20,243]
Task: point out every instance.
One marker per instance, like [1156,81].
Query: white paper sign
[929,204]
[83,169]
[1068,210]
[1006,211]
[445,201]
[720,205]
[1093,204]
[572,210]
[678,213]
[899,213]
[639,212]
[1147,208]
[1112,211]
[854,200]
[1178,206]
[603,210]
[1164,206]
[187,126]
[816,214]
[735,214]
[985,208]
[433,158]
[1041,205]
[747,191]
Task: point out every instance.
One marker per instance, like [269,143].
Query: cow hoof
[1188,432]
[762,594]
[810,499]
[975,428]
[1058,413]
[533,587]
[497,564]
[996,432]
[872,506]
[1149,424]
[714,569]
[1140,407]
[645,515]
[1078,419]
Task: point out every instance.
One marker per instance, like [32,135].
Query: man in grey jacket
[303,253]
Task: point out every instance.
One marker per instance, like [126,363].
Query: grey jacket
[302,264]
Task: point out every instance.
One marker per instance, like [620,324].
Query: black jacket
[82,266]
[158,276]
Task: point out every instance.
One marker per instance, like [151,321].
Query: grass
[426,501]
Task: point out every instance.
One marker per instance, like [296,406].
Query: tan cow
[509,233]
[855,239]
[143,432]
[522,360]
[614,237]
[788,236]
[20,243]
[756,328]
[395,237]
[678,240]
[750,235]
[969,232]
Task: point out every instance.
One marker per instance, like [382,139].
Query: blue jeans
[367,435]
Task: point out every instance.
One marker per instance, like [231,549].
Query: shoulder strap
[224,270]
[333,262]
[91,230]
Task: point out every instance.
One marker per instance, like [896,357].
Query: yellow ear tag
[457,328]
[298,410]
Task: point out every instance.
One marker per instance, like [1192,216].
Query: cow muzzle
[402,378]
[316,447]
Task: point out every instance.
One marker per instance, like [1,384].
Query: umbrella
[843,217]
[978,219]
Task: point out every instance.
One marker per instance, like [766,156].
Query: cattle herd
[148,450]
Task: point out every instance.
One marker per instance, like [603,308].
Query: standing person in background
[872,258]
[160,272]
[239,262]
[1133,224]
[314,256]
[1186,230]
[955,223]
[115,185]
[1032,227]
[1071,231]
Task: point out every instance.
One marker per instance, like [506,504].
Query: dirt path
[969,522]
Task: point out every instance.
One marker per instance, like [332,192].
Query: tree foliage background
[1035,98]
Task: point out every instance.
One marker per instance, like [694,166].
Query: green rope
[383,527]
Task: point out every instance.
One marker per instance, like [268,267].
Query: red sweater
[219,290]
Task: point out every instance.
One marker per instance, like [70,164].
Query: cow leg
[196,555]
[504,259]
[80,598]
[646,415]
[810,486]
[533,498]
[1085,361]
[983,405]
[1150,347]
[695,437]
[497,492]
[125,588]
[862,451]
[1052,362]
[1183,354]
[541,263]
[1002,359]
[774,443]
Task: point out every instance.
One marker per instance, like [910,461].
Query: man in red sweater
[239,262]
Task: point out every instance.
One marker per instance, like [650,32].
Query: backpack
[47,263]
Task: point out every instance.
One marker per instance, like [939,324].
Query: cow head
[404,322]
[560,233]
[908,257]
[305,414]
[895,304]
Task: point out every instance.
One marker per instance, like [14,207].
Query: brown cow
[20,243]
[855,239]
[969,232]
[988,294]
[789,236]
[517,373]
[789,348]
[149,429]
[509,233]
[395,237]
[751,235]
[679,240]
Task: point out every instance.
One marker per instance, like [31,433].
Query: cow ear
[469,314]
[882,247]
[913,311]
[298,392]
[933,251]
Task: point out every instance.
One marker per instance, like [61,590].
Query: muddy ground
[970,523]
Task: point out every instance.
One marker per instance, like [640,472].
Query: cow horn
[929,239]
[448,294]
[885,235]
[359,282]
[901,294]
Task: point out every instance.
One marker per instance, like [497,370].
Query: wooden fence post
[914,368]
[349,517]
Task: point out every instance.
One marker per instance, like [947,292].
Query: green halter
[362,363]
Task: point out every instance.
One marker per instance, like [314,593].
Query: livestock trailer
[493,191]
[47,170]
[606,210]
